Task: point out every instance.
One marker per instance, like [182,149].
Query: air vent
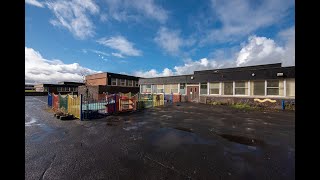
[279,74]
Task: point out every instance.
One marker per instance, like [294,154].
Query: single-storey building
[97,85]
[265,84]
[61,87]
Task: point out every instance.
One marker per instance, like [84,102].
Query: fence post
[115,103]
[81,97]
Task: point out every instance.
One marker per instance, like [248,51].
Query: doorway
[193,93]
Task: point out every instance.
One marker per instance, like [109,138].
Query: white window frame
[129,83]
[121,82]
[266,88]
[232,88]
[200,89]
[234,85]
[171,85]
[114,81]
[209,88]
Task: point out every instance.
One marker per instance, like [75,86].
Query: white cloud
[100,52]
[117,55]
[34,3]
[123,10]
[171,41]
[41,70]
[121,44]
[153,73]
[74,16]
[242,17]
[256,51]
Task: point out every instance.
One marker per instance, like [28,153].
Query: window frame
[214,88]
[246,86]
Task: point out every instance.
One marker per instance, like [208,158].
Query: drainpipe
[81,115]
[283,105]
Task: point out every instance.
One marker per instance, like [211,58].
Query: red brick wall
[97,79]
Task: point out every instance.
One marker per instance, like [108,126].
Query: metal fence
[89,108]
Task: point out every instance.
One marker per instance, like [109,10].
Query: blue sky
[66,39]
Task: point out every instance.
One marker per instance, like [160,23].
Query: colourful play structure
[85,108]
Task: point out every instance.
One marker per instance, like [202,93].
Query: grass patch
[242,106]
[29,90]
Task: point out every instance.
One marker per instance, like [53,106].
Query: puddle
[33,120]
[242,140]
[184,129]
[134,126]
[171,138]
[166,116]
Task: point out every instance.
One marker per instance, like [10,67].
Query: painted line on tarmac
[40,100]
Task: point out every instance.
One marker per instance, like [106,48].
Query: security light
[191,77]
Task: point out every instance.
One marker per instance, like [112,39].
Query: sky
[68,39]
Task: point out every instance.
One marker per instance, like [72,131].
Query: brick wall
[97,79]
[250,101]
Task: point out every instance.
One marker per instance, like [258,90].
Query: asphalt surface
[188,141]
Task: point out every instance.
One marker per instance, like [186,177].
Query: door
[193,93]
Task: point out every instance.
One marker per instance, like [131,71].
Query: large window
[113,81]
[290,87]
[258,88]
[160,89]
[273,87]
[241,88]
[146,88]
[118,82]
[174,88]
[59,89]
[167,89]
[122,82]
[130,83]
[182,88]
[154,88]
[214,88]
[203,88]
[228,88]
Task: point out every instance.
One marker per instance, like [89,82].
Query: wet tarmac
[188,141]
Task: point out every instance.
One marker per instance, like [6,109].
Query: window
[154,88]
[228,88]
[118,82]
[59,89]
[130,82]
[214,88]
[182,88]
[113,81]
[45,89]
[203,88]
[241,88]
[174,88]
[167,89]
[160,89]
[275,87]
[290,87]
[258,88]
[75,89]
[122,82]
[146,88]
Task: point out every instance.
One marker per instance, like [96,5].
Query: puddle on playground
[169,138]
[134,126]
[45,131]
[33,120]
[242,140]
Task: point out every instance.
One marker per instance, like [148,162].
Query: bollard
[283,105]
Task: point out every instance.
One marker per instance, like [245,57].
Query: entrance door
[193,93]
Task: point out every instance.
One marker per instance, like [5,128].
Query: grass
[29,90]
[242,106]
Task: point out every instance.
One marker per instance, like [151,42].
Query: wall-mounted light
[191,77]
[253,74]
